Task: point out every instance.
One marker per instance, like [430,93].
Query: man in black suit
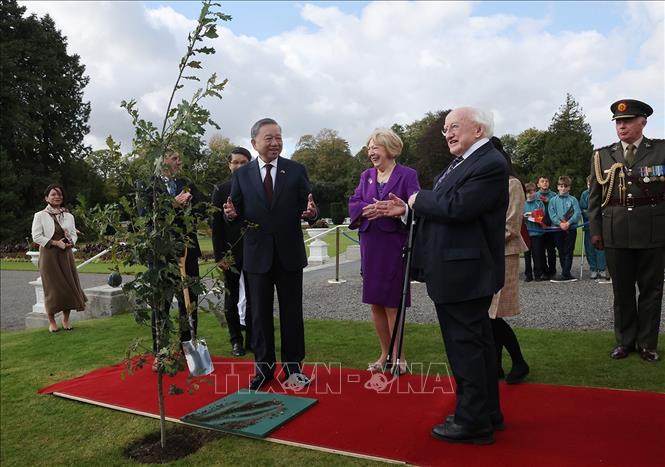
[181,194]
[274,193]
[460,248]
[228,236]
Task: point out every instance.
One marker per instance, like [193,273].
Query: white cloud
[391,64]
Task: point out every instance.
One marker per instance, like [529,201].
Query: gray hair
[264,121]
[484,118]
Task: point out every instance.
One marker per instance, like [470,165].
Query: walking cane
[398,329]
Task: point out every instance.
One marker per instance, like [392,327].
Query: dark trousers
[636,317]
[534,255]
[292,329]
[504,336]
[231,312]
[565,244]
[187,323]
[549,253]
[467,335]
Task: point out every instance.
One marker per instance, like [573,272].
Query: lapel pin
[282,172]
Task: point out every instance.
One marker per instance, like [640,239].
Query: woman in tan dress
[54,230]
[506,301]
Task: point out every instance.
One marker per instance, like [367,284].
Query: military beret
[629,108]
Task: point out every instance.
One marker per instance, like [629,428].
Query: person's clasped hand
[61,244]
[371,211]
[183,198]
[394,206]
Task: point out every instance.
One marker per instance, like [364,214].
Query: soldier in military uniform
[627,219]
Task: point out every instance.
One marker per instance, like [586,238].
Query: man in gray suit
[627,219]
[275,194]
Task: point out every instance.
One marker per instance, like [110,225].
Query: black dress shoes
[517,373]
[259,381]
[619,352]
[649,355]
[237,350]
[454,433]
[497,425]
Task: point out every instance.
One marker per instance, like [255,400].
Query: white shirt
[473,147]
[263,171]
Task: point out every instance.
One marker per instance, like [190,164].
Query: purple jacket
[403,182]
[382,240]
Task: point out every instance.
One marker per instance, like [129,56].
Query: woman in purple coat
[382,238]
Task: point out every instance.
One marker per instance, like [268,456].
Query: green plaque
[249,413]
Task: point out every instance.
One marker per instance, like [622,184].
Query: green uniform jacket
[620,226]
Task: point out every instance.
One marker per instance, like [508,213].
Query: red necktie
[267,183]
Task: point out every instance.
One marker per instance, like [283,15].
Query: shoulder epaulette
[604,147]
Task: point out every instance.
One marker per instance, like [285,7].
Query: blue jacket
[560,205]
[535,229]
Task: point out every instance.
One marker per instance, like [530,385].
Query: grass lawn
[46,430]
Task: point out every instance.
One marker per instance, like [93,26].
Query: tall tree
[567,145]
[213,166]
[332,169]
[432,153]
[43,119]
[528,154]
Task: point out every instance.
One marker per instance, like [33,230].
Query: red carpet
[545,425]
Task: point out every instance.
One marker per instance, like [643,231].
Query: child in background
[536,253]
[549,238]
[565,213]
[595,258]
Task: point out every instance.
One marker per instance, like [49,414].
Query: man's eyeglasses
[447,129]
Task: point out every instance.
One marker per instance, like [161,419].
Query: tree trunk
[162,418]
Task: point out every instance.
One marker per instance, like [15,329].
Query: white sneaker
[594,275]
[602,275]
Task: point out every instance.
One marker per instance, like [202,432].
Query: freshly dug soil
[181,441]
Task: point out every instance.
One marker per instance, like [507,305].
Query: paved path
[584,304]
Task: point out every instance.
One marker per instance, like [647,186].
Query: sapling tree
[143,228]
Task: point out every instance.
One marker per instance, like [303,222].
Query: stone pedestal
[37,317]
[318,249]
[318,252]
[105,301]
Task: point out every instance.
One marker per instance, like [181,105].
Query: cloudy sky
[355,66]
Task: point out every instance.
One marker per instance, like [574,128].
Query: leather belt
[632,202]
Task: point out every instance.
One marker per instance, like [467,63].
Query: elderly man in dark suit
[627,219]
[274,193]
[228,236]
[182,193]
[460,249]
